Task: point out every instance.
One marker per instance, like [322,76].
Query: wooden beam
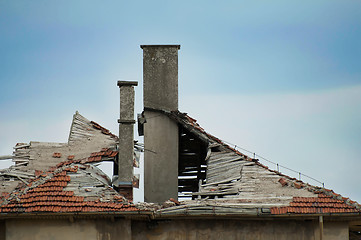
[6,157]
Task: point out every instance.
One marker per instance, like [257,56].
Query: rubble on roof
[238,184]
[61,177]
[72,187]
[85,141]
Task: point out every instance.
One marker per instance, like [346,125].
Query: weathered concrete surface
[119,229]
[126,132]
[336,231]
[126,146]
[238,229]
[126,89]
[225,229]
[160,76]
[64,229]
[160,158]
[203,229]
[160,86]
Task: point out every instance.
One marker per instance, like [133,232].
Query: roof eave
[140,214]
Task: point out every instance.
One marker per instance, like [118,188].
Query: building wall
[64,229]
[2,230]
[105,229]
[232,229]
[336,230]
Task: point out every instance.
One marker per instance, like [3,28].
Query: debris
[56,155]
[175,201]
[283,182]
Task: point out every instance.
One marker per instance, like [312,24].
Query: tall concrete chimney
[160,90]
[126,137]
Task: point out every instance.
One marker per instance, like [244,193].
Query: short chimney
[160,83]
[126,137]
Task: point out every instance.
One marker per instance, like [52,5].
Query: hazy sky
[279,78]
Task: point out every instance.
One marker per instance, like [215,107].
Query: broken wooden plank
[22,146]
[6,157]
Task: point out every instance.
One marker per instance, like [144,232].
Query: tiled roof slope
[320,204]
[74,186]
[235,176]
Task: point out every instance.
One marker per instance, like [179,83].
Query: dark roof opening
[192,165]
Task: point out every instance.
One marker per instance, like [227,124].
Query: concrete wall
[231,229]
[336,230]
[105,229]
[64,229]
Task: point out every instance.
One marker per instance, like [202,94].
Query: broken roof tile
[46,193]
[56,155]
[103,130]
[50,196]
[283,182]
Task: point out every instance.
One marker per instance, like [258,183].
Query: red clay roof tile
[283,182]
[320,204]
[51,197]
[56,155]
[103,130]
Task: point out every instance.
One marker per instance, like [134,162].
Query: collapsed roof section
[73,186]
[84,130]
[220,180]
[217,176]
[88,143]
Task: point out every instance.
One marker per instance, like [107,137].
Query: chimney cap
[145,46]
[127,83]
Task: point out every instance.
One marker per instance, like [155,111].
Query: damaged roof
[238,184]
[86,137]
[74,186]
[62,178]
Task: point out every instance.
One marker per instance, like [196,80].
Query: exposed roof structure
[85,138]
[61,178]
[72,187]
[240,184]
[189,174]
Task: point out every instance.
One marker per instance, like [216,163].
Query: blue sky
[280,78]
